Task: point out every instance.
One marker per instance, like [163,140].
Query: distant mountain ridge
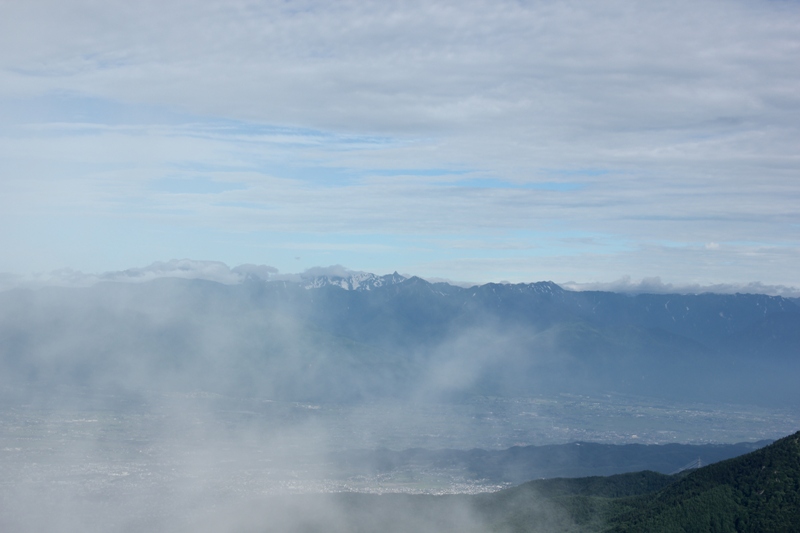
[707,312]
[712,320]
[359,281]
[361,335]
[523,463]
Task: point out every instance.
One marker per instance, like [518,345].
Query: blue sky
[477,141]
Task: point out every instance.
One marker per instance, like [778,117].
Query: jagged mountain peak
[539,287]
[356,281]
[542,287]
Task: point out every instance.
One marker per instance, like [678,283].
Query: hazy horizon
[218,271]
[474,141]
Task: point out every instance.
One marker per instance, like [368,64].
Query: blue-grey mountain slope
[377,336]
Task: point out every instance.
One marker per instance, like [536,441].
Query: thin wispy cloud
[241,130]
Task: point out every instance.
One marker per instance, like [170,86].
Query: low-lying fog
[89,461]
[168,409]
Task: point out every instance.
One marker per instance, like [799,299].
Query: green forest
[757,492]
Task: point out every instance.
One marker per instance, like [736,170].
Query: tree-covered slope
[758,492]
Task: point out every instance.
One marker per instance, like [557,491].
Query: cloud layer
[477,140]
[219,272]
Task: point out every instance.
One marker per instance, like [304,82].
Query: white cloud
[333,271]
[174,268]
[675,123]
[177,268]
[656,286]
[264,272]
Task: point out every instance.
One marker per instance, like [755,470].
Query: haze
[265,263]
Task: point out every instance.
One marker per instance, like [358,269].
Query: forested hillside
[757,492]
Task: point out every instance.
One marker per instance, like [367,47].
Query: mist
[186,404]
[172,407]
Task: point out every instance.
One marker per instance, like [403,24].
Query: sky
[583,141]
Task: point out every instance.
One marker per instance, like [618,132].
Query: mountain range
[362,336]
